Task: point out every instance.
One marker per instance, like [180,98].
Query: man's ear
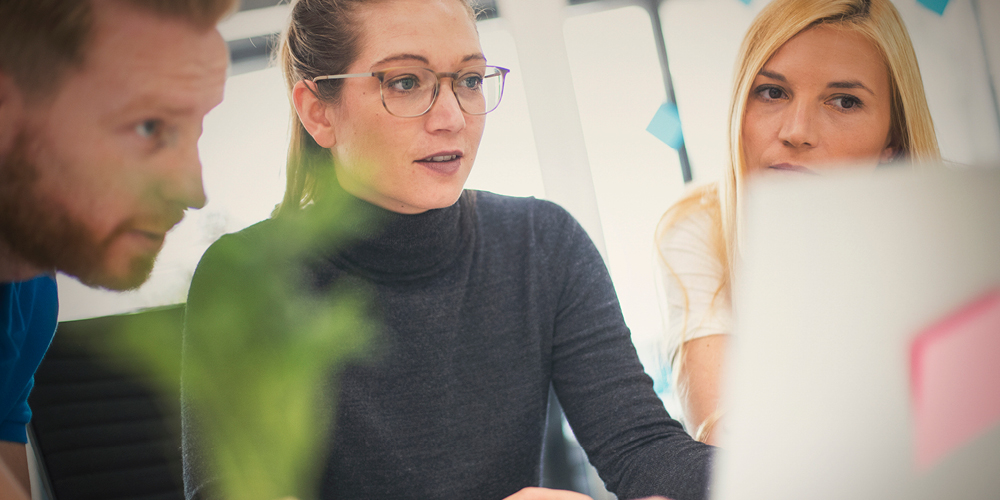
[313,113]
[11,110]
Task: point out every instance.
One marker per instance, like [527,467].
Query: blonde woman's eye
[770,93]
[846,102]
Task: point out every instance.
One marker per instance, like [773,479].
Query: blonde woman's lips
[788,167]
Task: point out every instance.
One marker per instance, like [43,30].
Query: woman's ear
[888,154]
[313,113]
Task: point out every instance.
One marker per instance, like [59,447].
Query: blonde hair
[911,128]
[322,38]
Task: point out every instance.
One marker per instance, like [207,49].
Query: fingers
[547,494]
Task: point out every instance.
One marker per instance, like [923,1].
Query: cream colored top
[697,274]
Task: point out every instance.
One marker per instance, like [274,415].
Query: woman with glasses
[483,301]
[820,85]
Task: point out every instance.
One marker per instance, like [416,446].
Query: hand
[547,494]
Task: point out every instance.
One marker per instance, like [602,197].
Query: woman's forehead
[830,51]
[440,32]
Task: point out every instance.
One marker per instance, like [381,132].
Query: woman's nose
[445,114]
[798,127]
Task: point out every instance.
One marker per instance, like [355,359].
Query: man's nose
[182,179]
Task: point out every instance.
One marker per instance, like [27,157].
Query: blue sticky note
[935,5]
[661,380]
[666,125]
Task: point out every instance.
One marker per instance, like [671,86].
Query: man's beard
[40,231]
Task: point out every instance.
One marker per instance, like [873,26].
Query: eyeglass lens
[410,91]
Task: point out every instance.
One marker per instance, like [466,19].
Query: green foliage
[262,352]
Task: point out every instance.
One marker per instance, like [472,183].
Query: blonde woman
[819,84]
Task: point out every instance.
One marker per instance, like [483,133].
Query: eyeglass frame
[438,75]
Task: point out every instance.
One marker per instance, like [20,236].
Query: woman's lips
[788,167]
[445,162]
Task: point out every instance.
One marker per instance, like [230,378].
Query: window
[619,87]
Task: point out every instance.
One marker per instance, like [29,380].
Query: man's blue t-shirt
[28,315]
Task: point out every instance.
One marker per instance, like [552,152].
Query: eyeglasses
[411,91]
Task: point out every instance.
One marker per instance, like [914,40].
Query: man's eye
[149,128]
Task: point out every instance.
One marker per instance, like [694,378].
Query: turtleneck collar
[390,246]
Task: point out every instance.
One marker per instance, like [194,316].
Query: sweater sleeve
[608,398]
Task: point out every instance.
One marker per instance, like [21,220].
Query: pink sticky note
[955,379]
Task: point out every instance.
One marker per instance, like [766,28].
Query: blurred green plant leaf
[263,352]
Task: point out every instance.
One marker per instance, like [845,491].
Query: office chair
[100,429]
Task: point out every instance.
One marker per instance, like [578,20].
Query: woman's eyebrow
[402,57]
[845,84]
[422,59]
[772,75]
[849,84]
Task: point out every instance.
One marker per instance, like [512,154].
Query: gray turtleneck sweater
[483,305]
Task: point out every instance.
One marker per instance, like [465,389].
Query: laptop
[866,357]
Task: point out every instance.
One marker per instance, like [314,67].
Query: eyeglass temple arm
[337,77]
